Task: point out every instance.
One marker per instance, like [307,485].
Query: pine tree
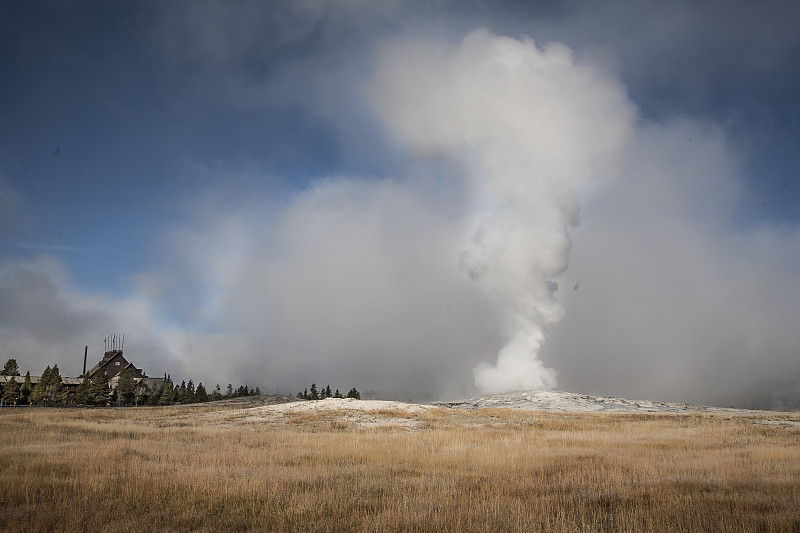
[58,393]
[179,393]
[190,393]
[11,388]
[200,394]
[51,387]
[11,391]
[26,389]
[337,394]
[216,395]
[98,388]
[314,394]
[155,397]
[354,394]
[305,395]
[328,393]
[126,387]
[168,392]
[83,394]
[11,368]
[229,391]
[38,393]
[257,391]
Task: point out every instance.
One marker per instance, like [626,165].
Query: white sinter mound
[346,404]
[540,400]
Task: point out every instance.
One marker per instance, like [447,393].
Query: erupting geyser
[529,127]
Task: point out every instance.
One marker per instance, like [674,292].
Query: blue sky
[164,167]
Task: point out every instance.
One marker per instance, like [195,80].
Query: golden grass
[173,469]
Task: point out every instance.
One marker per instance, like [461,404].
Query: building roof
[119,362]
[35,380]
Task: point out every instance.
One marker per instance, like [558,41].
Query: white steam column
[530,127]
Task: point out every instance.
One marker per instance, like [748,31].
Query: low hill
[539,400]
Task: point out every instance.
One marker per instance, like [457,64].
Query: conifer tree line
[314,394]
[170,393]
[50,390]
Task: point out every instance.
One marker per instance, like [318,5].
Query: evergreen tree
[83,394]
[38,393]
[11,388]
[216,395]
[354,394]
[11,368]
[155,397]
[10,391]
[179,393]
[98,388]
[305,395]
[55,392]
[229,391]
[26,389]
[200,395]
[126,387]
[50,390]
[257,391]
[167,392]
[190,393]
[314,394]
[337,394]
[328,393]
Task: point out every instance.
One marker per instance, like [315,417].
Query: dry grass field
[216,468]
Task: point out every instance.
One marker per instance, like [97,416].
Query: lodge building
[113,363]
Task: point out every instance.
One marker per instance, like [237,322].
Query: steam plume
[529,128]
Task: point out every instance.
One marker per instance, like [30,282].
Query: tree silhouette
[200,394]
[26,388]
[10,391]
[98,388]
[126,387]
[11,368]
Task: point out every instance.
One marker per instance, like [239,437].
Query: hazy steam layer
[527,128]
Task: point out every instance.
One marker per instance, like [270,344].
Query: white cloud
[676,301]
[43,321]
